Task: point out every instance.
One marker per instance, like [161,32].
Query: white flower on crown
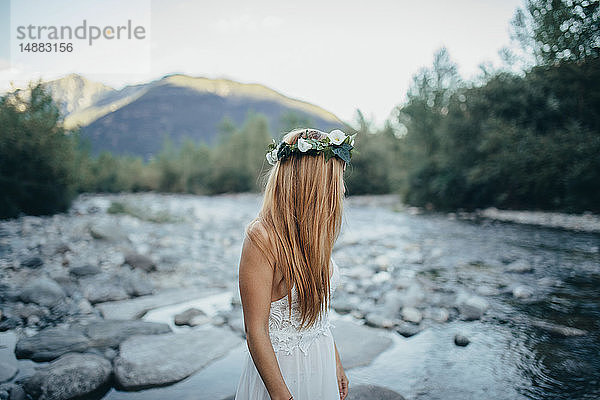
[336,136]
[304,145]
[272,157]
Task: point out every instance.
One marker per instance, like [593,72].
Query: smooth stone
[407,329]
[7,370]
[9,293]
[519,267]
[85,307]
[191,317]
[32,262]
[372,392]
[102,288]
[43,291]
[136,308]
[473,307]
[522,292]
[115,286]
[85,270]
[461,340]
[71,375]
[110,333]
[343,305]
[438,314]
[62,248]
[559,330]
[378,320]
[380,277]
[12,391]
[50,343]
[9,366]
[152,360]
[372,343]
[411,314]
[140,261]
[108,230]
[485,290]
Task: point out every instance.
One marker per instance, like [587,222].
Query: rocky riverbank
[136,295]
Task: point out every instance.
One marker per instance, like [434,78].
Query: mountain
[134,120]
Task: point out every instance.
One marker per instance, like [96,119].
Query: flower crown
[335,143]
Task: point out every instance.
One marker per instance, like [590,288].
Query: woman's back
[285,332]
[305,356]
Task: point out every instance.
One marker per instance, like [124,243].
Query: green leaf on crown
[342,152]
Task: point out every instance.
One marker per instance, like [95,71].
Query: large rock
[102,288]
[519,266]
[71,375]
[473,307]
[191,317]
[411,314]
[408,329]
[85,270]
[11,391]
[146,361]
[137,307]
[372,342]
[51,343]
[43,291]
[108,230]
[32,262]
[522,292]
[140,261]
[379,321]
[372,392]
[110,333]
[8,370]
[115,286]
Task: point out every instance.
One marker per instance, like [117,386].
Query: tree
[37,155]
[558,30]
[292,120]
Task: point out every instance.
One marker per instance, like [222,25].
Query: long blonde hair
[302,214]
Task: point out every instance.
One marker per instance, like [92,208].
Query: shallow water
[508,357]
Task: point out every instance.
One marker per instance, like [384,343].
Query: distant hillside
[135,119]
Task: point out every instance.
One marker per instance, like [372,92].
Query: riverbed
[526,297]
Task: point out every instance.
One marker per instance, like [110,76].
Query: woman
[287,275]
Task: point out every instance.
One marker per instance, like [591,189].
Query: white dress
[306,357]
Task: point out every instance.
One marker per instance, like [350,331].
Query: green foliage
[375,163]
[515,142]
[236,163]
[37,155]
[559,30]
[160,216]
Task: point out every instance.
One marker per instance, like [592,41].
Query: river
[539,337]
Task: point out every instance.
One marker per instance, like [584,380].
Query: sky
[339,55]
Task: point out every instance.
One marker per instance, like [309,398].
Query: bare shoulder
[252,256]
[257,227]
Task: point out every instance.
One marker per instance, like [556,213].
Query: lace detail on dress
[284,331]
